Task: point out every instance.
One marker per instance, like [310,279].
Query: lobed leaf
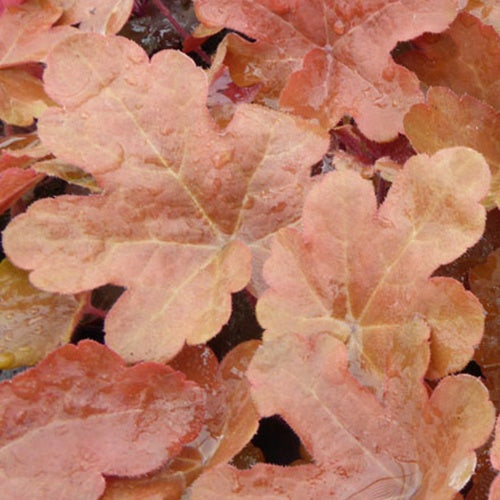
[183,199]
[32,323]
[14,182]
[372,296]
[325,59]
[82,413]
[359,446]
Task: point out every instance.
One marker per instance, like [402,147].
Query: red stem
[184,34]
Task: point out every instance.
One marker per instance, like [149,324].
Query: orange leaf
[360,447]
[464,58]
[82,413]
[361,274]
[322,60]
[446,120]
[21,97]
[33,323]
[184,200]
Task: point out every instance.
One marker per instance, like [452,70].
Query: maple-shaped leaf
[32,323]
[361,449]
[22,97]
[465,58]
[446,120]
[184,200]
[81,413]
[361,273]
[325,59]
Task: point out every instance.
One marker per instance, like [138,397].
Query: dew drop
[339,27]
[223,158]
[167,130]
[249,203]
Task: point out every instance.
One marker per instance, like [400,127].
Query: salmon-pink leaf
[183,200]
[326,59]
[329,279]
[14,182]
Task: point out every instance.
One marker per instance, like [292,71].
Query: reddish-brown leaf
[184,202]
[82,413]
[32,323]
[446,120]
[14,182]
[360,447]
[374,295]
[326,59]
[464,58]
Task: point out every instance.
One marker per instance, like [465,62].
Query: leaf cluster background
[236,218]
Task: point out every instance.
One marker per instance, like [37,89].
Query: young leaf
[82,413]
[464,58]
[32,323]
[446,120]
[326,59]
[360,448]
[361,274]
[183,199]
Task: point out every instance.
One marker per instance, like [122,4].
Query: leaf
[22,97]
[103,16]
[184,200]
[484,281]
[82,413]
[464,58]
[360,448]
[230,422]
[322,60]
[446,120]
[27,32]
[32,323]
[371,296]
[14,182]
[487,10]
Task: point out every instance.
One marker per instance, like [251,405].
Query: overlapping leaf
[464,58]
[368,294]
[326,59]
[495,459]
[82,413]
[446,120]
[182,196]
[32,323]
[230,421]
[486,10]
[359,448]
